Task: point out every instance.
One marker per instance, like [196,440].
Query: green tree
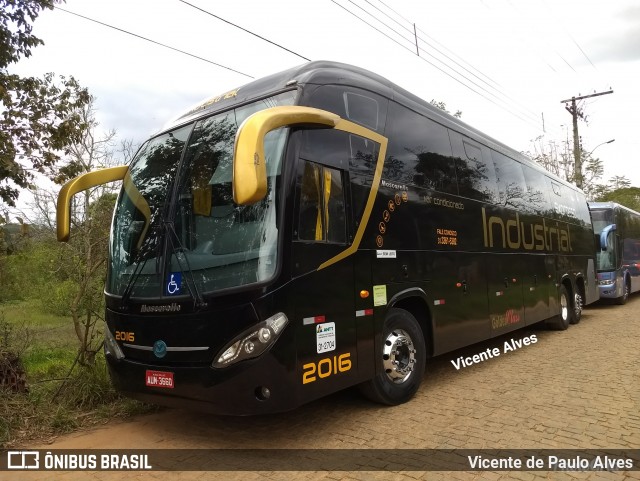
[80,265]
[86,253]
[443,106]
[627,196]
[558,159]
[593,170]
[40,116]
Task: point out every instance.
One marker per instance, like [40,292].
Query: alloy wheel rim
[564,309]
[398,356]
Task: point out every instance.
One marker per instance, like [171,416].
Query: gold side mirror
[80,183]
[249,163]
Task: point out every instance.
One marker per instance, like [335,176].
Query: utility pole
[575,113]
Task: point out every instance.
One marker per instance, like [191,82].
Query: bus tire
[563,319]
[577,309]
[622,300]
[402,360]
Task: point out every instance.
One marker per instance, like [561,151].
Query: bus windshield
[606,255]
[176,229]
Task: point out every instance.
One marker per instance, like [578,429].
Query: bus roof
[327,72]
[611,205]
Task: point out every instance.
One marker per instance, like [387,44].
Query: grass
[58,401]
[30,309]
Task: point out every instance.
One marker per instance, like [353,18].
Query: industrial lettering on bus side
[513,234]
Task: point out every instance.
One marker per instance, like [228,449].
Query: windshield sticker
[326,337]
[172,287]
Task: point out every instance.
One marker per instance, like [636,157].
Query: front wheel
[402,359]
[622,300]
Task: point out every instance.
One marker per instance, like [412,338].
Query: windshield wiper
[139,266]
[169,228]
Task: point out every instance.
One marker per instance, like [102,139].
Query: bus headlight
[111,347]
[252,342]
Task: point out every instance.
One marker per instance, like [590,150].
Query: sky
[506,64]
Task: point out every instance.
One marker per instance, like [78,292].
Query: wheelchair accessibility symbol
[173,286]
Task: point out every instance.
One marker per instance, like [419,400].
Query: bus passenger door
[326,348]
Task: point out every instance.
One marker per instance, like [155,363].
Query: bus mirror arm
[604,234]
[78,184]
[249,163]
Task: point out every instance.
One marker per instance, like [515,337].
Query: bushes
[59,398]
[57,298]
[32,271]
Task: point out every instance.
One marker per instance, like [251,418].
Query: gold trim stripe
[356,129]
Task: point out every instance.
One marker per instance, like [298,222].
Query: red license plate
[159,379]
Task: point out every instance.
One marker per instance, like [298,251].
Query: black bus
[323,228]
[617,230]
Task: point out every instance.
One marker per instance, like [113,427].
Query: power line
[505,105]
[495,85]
[155,42]
[372,26]
[519,12]
[513,103]
[490,81]
[244,30]
[572,39]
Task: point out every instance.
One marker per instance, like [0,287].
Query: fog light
[263,393]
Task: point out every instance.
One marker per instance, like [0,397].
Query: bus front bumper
[608,292]
[262,387]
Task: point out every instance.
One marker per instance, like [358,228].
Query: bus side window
[476,176]
[322,208]
[419,152]
[536,200]
[362,158]
[569,205]
[358,105]
[362,109]
[511,184]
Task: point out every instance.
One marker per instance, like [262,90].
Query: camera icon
[23,460]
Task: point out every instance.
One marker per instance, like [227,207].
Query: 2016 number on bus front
[326,367]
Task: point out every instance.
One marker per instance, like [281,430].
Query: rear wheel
[577,309]
[402,360]
[565,316]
